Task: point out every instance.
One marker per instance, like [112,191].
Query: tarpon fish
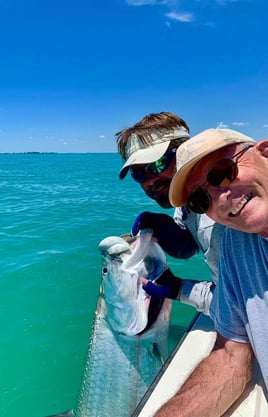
[129,339]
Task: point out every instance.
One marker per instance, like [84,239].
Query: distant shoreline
[11,153]
[54,153]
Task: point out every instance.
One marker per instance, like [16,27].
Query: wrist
[173,283]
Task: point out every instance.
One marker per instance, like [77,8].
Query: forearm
[213,387]
[176,241]
[174,238]
[197,294]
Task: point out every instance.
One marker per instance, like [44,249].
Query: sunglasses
[221,175]
[154,168]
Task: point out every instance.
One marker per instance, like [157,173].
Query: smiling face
[242,204]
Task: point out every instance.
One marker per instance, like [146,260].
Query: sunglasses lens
[154,168]
[199,201]
[223,173]
[158,166]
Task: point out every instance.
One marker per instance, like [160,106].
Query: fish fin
[69,413]
[157,353]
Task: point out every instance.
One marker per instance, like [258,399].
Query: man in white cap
[148,150]
[224,173]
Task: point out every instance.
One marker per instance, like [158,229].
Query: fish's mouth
[155,307]
[241,205]
[129,238]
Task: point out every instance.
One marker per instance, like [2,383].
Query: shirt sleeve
[225,308]
[197,294]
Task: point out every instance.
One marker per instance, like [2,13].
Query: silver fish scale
[114,368]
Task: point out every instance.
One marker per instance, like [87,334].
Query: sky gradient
[73,73]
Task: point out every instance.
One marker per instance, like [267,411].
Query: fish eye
[104,270]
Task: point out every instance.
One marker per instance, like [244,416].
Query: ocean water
[55,208]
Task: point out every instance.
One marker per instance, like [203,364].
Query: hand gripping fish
[129,339]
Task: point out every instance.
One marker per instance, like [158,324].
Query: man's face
[156,186]
[243,203]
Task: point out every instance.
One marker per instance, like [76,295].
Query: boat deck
[196,345]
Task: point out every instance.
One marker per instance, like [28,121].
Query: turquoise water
[55,208]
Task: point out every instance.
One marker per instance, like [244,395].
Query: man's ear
[262,147]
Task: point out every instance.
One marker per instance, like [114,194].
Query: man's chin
[164,203]
[161,198]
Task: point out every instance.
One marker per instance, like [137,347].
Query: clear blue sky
[73,73]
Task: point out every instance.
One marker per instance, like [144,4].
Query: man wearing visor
[148,150]
[224,173]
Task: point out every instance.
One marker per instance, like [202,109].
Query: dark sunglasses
[221,175]
[154,168]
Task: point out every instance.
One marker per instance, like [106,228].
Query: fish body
[129,339]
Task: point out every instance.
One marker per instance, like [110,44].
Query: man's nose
[149,181]
[219,194]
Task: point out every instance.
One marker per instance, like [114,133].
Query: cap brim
[177,193]
[144,156]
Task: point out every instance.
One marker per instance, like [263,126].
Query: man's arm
[175,239]
[215,384]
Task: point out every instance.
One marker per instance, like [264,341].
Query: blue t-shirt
[240,303]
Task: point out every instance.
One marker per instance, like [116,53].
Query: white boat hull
[181,363]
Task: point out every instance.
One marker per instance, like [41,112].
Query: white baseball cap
[138,152]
